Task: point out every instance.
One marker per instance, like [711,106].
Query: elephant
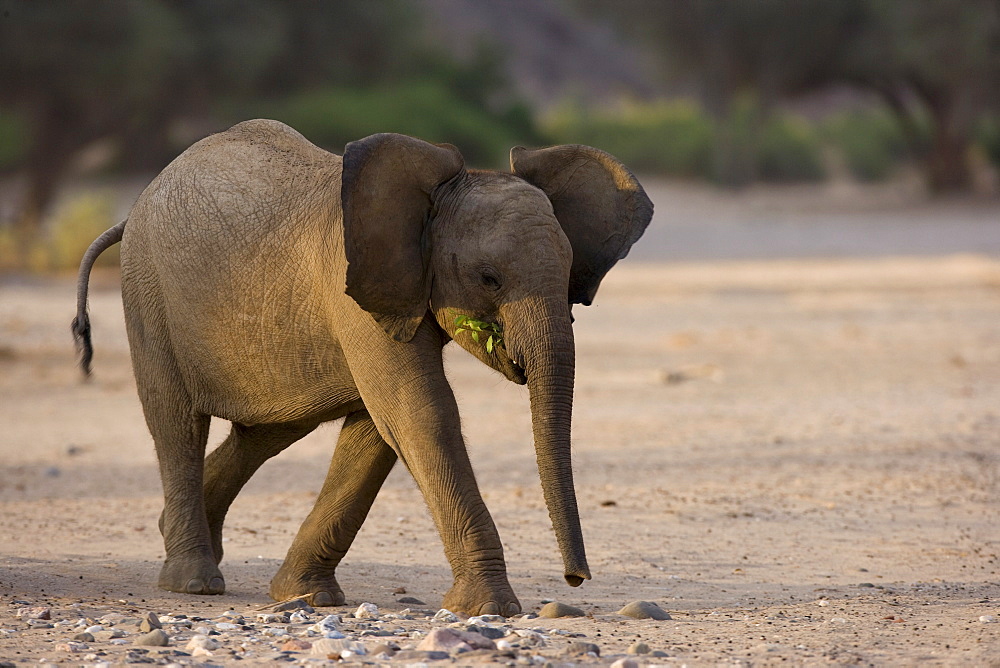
[276,285]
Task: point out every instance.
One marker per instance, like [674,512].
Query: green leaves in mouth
[478,329]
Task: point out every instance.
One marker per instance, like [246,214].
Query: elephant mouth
[513,369]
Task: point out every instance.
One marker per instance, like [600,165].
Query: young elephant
[279,286]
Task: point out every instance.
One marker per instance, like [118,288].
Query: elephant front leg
[431,446]
[360,464]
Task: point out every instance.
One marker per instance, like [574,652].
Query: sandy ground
[798,459]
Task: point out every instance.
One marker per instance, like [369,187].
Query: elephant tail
[81,323]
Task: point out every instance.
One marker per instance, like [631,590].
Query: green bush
[13,139]
[679,139]
[429,110]
[789,151]
[988,136]
[872,142]
[672,138]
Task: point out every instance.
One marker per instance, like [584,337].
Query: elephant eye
[490,278]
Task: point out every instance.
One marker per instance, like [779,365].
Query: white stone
[329,646]
[484,620]
[445,615]
[326,625]
[366,611]
[202,642]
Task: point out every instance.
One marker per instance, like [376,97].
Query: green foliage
[679,139]
[427,109]
[673,138]
[872,142]
[13,139]
[790,151]
[988,136]
[493,331]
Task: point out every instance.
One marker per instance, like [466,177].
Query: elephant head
[424,235]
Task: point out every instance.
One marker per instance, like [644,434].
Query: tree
[731,50]
[82,70]
[936,64]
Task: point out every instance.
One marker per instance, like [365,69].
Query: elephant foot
[191,576]
[215,530]
[482,598]
[321,591]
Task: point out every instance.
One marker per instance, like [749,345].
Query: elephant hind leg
[360,464]
[179,434]
[231,465]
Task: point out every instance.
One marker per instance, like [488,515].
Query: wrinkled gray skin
[279,286]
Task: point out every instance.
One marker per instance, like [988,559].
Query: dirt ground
[798,459]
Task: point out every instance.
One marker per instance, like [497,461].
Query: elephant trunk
[544,346]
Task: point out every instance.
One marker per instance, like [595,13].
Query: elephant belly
[256,384]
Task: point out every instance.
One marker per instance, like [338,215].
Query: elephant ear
[599,204]
[386,194]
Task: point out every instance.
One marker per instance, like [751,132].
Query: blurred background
[885,104]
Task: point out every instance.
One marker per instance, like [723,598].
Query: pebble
[155,638]
[644,610]
[228,626]
[486,619]
[149,622]
[71,646]
[339,648]
[328,627]
[485,630]
[554,609]
[580,648]
[638,648]
[381,649]
[35,612]
[296,645]
[529,638]
[987,619]
[109,634]
[417,656]
[201,642]
[625,663]
[366,611]
[272,618]
[445,615]
[409,600]
[443,639]
[84,637]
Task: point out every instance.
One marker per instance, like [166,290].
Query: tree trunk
[946,165]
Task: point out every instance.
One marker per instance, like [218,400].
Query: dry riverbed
[798,460]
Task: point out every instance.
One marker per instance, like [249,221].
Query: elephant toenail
[490,608]
[217,586]
[195,586]
[512,609]
[322,599]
